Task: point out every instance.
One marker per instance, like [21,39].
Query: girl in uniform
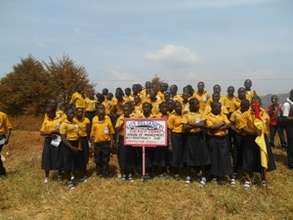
[218,125]
[257,154]
[196,151]
[125,153]
[73,155]
[101,136]
[175,124]
[52,155]
[84,125]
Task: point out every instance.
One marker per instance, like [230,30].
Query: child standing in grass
[257,154]
[175,124]
[218,125]
[125,153]
[196,153]
[73,155]
[101,136]
[52,156]
[84,133]
[5,131]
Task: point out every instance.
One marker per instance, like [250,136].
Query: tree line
[31,83]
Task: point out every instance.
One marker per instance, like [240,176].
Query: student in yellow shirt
[216,98]
[5,132]
[128,97]
[161,93]
[53,152]
[230,101]
[77,99]
[236,126]
[137,108]
[155,101]
[90,106]
[218,125]
[202,96]
[196,151]
[101,136]
[175,124]
[118,103]
[174,95]
[125,153]
[163,155]
[185,101]
[73,155]
[251,160]
[84,126]
[249,92]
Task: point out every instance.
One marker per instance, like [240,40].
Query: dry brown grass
[24,196]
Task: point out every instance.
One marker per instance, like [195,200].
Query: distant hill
[266,100]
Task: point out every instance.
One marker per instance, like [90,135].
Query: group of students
[221,137]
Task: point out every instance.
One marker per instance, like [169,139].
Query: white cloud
[173,56]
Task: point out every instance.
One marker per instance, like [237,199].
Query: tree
[24,89]
[66,77]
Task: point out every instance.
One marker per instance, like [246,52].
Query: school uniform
[101,136]
[128,98]
[218,144]
[83,124]
[237,121]
[126,153]
[175,124]
[52,156]
[5,125]
[90,108]
[251,159]
[77,100]
[196,152]
[249,94]
[231,104]
[73,160]
[203,99]
[177,98]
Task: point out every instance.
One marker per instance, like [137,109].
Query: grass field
[24,196]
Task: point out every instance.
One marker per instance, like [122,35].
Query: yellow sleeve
[63,129]
[7,123]
[119,122]
[170,122]
[209,122]
[43,127]
[112,131]
[233,117]
[73,98]
[93,130]
[226,120]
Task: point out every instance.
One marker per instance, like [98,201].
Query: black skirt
[73,160]
[52,157]
[159,156]
[251,161]
[85,151]
[177,140]
[126,156]
[220,156]
[196,150]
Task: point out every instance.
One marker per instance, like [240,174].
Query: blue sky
[122,42]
